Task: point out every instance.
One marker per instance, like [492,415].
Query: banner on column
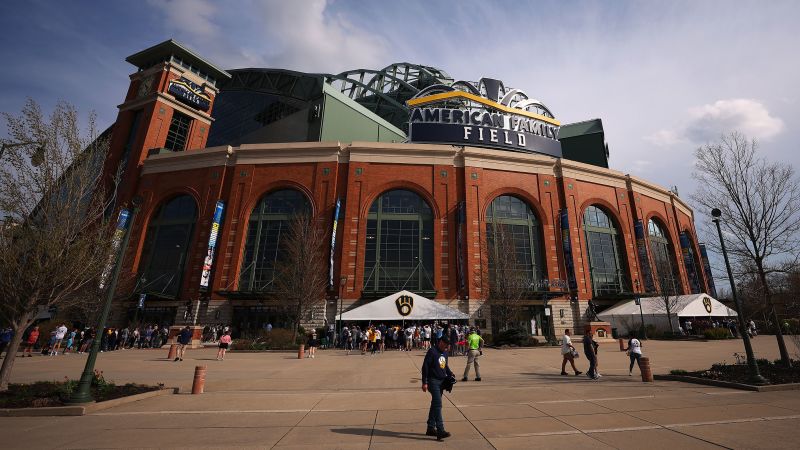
[566,244]
[212,246]
[688,261]
[712,289]
[644,261]
[119,232]
[461,220]
[333,239]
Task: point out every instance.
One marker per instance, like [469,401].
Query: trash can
[614,333]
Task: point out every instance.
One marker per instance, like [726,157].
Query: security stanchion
[301,351]
[173,351]
[647,373]
[621,345]
[199,379]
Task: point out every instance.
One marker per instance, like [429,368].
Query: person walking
[312,345]
[184,339]
[568,354]
[634,351]
[61,332]
[475,342]
[434,373]
[590,350]
[224,343]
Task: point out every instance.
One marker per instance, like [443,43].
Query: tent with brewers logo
[626,316]
[403,305]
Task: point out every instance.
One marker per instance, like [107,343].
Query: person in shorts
[184,339]
[568,353]
[312,345]
[61,332]
[224,343]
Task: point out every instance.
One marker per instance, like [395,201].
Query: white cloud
[747,116]
[192,17]
[664,138]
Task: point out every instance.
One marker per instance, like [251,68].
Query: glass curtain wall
[664,265]
[511,220]
[399,244]
[269,224]
[166,247]
[606,258]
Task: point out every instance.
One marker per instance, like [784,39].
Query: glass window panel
[605,254]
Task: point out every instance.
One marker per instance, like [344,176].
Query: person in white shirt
[61,331]
[635,352]
[568,353]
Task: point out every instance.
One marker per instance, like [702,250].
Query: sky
[664,77]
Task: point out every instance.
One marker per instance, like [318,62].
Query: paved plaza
[265,400]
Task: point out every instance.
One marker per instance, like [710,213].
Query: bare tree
[302,272]
[59,242]
[760,204]
[509,280]
[667,290]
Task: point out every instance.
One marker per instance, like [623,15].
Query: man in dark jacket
[434,371]
[184,339]
[590,350]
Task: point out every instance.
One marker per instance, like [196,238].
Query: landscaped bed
[56,393]
[774,372]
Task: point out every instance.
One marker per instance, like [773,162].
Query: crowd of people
[374,339]
[693,327]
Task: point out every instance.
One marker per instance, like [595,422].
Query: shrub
[716,333]
[487,338]
[512,336]
[678,372]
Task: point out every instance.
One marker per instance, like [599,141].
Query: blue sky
[665,77]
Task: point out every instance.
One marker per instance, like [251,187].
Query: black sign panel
[189,93]
[518,141]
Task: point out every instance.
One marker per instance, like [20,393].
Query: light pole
[342,283]
[36,159]
[755,376]
[83,393]
[643,331]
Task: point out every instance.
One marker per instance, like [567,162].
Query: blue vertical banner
[688,261]
[566,244]
[333,238]
[712,289]
[212,246]
[116,241]
[461,220]
[644,261]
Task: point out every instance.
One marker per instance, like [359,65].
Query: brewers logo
[707,304]
[404,303]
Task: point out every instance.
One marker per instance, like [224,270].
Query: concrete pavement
[265,400]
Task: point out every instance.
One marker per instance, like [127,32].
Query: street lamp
[342,283]
[755,376]
[83,393]
[36,159]
[643,331]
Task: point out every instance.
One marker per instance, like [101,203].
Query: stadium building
[418,179]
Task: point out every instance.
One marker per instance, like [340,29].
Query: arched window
[606,258]
[166,247]
[269,224]
[399,247]
[664,265]
[513,240]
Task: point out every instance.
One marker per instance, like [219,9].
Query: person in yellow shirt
[474,342]
[372,339]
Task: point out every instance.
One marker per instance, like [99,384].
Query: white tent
[625,315]
[387,309]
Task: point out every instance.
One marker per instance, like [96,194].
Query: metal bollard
[621,345]
[199,379]
[301,351]
[173,351]
[647,373]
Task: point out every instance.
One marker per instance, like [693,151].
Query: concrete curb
[81,410]
[728,384]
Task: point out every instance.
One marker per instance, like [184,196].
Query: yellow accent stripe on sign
[456,94]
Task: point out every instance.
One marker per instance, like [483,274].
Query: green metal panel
[344,120]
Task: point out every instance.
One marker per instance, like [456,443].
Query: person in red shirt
[33,338]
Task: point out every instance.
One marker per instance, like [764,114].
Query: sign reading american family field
[190,93]
[488,115]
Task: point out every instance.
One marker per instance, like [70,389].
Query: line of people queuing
[375,339]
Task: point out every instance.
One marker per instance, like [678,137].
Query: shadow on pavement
[379,432]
